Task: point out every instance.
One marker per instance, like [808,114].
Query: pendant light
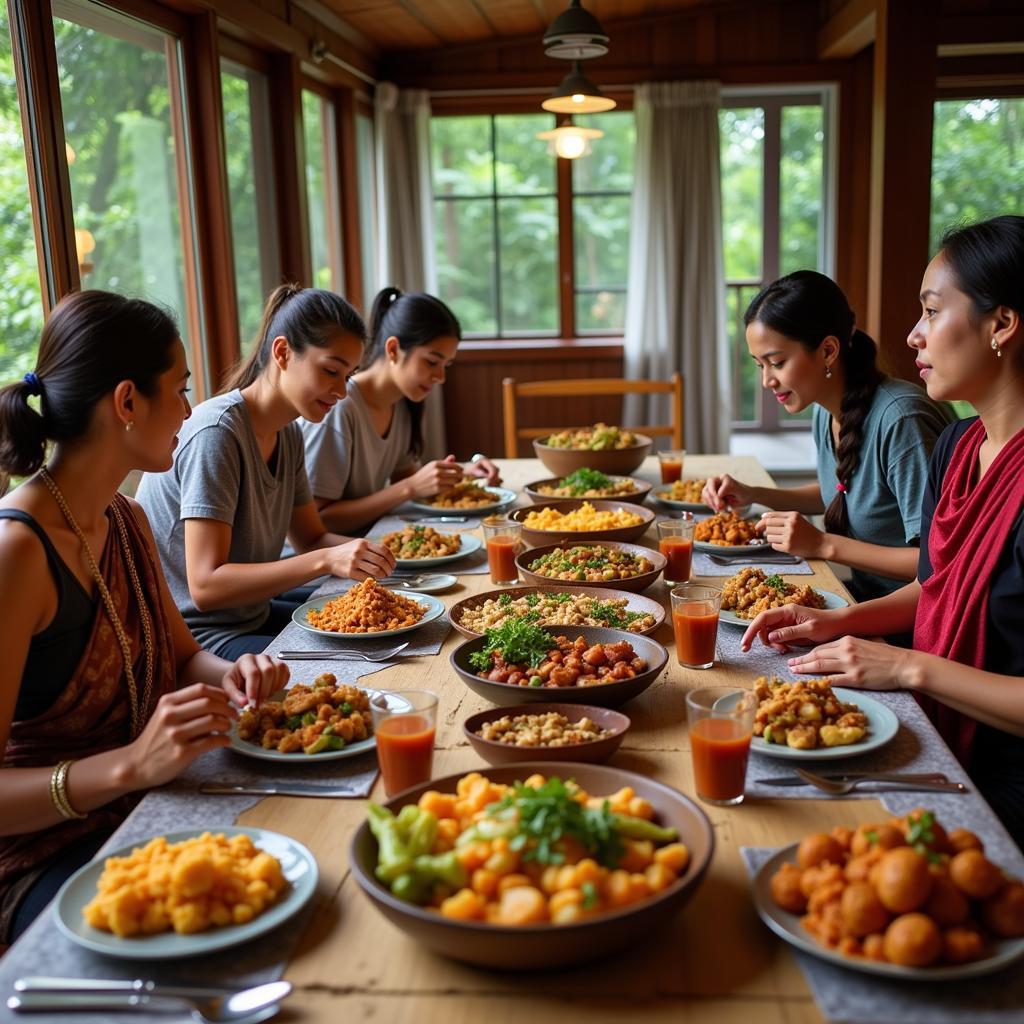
[569,141]
[577,94]
[575,35]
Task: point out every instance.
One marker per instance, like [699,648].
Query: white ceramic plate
[753,550]
[787,926]
[299,868]
[434,584]
[832,601]
[504,498]
[434,609]
[470,542]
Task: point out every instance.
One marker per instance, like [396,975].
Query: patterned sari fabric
[92,714]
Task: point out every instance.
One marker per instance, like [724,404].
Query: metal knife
[291,789]
[795,780]
[434,519]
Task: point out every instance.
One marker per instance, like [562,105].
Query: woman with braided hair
[873,435]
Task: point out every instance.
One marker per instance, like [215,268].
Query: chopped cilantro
[519,641]
[589,891]
[505,600]
[532,600]
[777,582]
[584,480]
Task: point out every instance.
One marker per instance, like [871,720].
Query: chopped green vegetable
[590,897]
[777,582]
[871,837]
[293,722]
[532,600]
[309,718]
[505,600]
[536,681]
[519,641]
[346,708]
[584,480]
[393,857]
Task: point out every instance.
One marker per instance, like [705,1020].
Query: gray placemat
[703,566]
[474,564]
[853,997]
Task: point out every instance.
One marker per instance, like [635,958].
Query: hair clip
[841,487]
[35,385]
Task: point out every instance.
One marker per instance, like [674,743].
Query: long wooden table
[715,963]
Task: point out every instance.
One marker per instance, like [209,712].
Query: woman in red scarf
[967,605]
[103,691]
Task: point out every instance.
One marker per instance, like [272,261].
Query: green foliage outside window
[316,194]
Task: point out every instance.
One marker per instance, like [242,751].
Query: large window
[776,218]
[21,306]
[977,161]
[318,126]
[120,91]
[366,165]
[250,191]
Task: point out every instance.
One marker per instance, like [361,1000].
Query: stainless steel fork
[838,788]
[344,655]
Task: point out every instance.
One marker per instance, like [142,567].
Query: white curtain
[675,308]
[405,255]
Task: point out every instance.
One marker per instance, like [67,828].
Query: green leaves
[584,480]
[777,582]
[519,641]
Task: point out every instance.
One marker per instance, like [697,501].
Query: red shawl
[91,715]
[968,535]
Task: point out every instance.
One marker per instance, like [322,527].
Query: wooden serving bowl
[538,538]
[545,946]
[592,752]
[605,695]
[637,497]
[634,584]
[645,605]
[611,461]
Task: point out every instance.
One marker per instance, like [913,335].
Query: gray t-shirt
[346,457]
[219,473]
[883,499]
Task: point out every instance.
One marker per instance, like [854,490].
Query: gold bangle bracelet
[59,792]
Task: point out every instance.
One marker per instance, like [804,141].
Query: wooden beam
[348,184]
[849,30]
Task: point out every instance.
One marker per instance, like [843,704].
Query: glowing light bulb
[570,146]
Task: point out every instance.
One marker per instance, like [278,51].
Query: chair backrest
[512,390]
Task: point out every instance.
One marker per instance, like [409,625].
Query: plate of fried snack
[902,899]
[728,533]
[808,719]
[467,495]
[186,893]
[752,591]
[319,721]
[367,611]
[683,494]
[423,546]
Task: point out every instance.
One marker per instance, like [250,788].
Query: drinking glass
[503,538]
[721,724]
[671,464]
[675,541]
[404,722]
[695,621]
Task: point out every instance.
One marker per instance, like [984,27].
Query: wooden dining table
[716,962]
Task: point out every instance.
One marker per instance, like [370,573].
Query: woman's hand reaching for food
[722,491]
[435,477]
[791,532]
[778,628]
[359,559]
[482,467]
[853,661]
[253,678]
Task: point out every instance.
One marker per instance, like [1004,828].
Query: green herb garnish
[611,615]
[777,582]
[871,837]
[505,600]
[532,600]
[589,891]
[584,480]
[519,641]
[921,836]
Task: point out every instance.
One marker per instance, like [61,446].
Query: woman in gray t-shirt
[874,436]
[363,458]
[238,486]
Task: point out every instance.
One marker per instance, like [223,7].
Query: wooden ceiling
[427,24]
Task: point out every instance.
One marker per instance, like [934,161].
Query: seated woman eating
[238,486]
[363,458]
[103,691]
[967,605]
[873,436]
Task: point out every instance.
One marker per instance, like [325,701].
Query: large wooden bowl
[563,461]
[634,584]
[537,538]
[545,946]
[637,497]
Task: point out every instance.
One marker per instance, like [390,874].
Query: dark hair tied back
[92,341]
[415,319]
[305,317]
[809,307]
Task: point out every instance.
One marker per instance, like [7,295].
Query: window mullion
[494,228]
[566,250]
[771,199]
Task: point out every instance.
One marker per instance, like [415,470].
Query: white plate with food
[788,927]
[502,496]
[432,609]
[753,550]
[298,866]
[832,601]
[471,542]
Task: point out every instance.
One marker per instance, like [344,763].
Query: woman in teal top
[874,435]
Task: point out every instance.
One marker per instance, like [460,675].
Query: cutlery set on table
[841,783]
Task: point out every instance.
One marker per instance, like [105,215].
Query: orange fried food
[902,880]
[962,945]
[726,529]
[817,849]
[913,940]
[946,903]
[1004,912]
[964,839]
[975,875]
[881,837]
[786,891]
[863,912]
[366,608]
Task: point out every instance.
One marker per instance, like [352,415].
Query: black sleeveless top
[53,654]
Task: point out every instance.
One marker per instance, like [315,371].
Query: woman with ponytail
[364,458]
[103,691]
[238,487]
[873,436]
[966,606]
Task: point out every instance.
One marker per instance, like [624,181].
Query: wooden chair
[511,390]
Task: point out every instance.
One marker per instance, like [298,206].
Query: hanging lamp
[577,94]
[569,141]
[575,35]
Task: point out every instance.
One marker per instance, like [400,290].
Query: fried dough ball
[962,945]
[818,877]
[863,912]
[913,940]
[817,849]
[843,836]
[1004,912]
[902,880]
[874,947]
[975,875]
[939,841]
[858,869]
[946,904]
[870,837]
[961,839]
[785,887]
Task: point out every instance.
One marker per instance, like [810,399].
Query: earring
[828,372]
[130,425]
[995,348]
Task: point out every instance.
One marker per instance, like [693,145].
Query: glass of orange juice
[503,538]
[721,724]
[695,622]
[671,464]
[675,542]
[404,722]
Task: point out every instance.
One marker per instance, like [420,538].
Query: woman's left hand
[253,678]
[791,532]
[484,468]
[853,661]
